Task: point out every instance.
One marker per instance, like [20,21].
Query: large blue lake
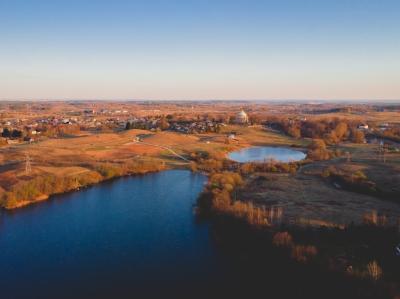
[138,237]
[132,237]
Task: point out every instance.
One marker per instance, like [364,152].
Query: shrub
[303,253]
[224,179]
[359,175]
[318,151]
[247,168]
[373,218]
[108,171]
[282,239]
[374,271]
[8,200]
[193,166]
[357,136]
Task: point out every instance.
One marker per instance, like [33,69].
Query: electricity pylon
[28,167]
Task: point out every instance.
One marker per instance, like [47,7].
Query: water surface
[263,153]
[135,236]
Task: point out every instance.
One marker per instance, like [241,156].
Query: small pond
[262,153]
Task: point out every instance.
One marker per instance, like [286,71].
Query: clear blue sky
[215,49]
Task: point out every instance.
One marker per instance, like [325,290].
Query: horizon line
[195,100]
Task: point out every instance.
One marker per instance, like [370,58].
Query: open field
[308,196]
[393,117]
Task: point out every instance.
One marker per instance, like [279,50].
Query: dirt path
[164,147]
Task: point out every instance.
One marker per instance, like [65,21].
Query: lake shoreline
[46,197]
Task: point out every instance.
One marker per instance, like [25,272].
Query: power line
[28,167]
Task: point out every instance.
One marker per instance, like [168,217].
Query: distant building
[241,118]
[383,126]
[89,111]
[29,139]
[363,127]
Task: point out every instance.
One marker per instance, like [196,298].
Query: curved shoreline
[46,197]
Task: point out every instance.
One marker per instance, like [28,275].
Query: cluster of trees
[305,253]
[269,166]
[112,170]
[216,162]
[391,134]
[182,117]
[246,211]
[373,218]
[45,130]
[207,165]
[351,176]
[317,150]
[356,181]
[299,252]
[160,123]
[31,189]
[212,161]
[221,185]
[371,271]
[220,197]
[332,131]
[13,133]
[62,130]
[217,195]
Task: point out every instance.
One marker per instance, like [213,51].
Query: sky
[197,50]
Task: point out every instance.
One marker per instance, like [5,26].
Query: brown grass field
[309,198]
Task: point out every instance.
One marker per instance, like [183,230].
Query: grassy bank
[297,211]
[41,187]
[360,257]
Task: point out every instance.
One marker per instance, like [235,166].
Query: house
[29,139]
[363,127]
[383,126]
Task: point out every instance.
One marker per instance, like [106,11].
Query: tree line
[332,131]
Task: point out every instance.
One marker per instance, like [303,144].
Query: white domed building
[241,118]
